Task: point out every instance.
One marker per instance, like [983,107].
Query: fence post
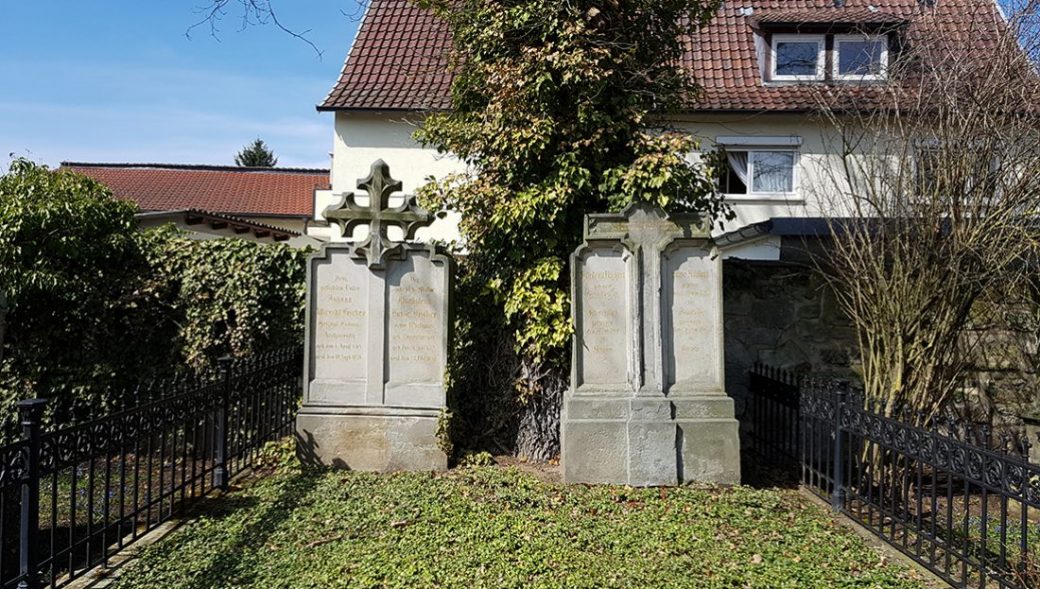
[220,438]
[838,492]
[31,413]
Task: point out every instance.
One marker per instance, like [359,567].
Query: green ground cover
[489,527]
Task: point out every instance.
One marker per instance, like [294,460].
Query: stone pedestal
[647,404]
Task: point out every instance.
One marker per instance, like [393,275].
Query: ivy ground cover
[490,527]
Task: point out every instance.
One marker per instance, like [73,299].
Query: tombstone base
[710,436]
[644,442]
[382,439]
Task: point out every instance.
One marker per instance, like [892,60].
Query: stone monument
[647,403]
[377,329]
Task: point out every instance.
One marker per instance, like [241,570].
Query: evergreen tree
[256,155]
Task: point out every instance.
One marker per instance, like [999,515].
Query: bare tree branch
[933,204]
[251,13]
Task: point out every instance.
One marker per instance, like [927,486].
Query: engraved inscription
[651,224]
[416,322]
[340,321]
[694,318]
[604,318]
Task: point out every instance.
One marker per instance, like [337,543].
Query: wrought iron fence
[73,496]
[967,510]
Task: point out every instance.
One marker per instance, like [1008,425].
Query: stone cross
[378,215]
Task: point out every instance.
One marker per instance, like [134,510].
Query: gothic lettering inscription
[604,318]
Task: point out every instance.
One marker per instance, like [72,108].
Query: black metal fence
[965,506]
[73,496]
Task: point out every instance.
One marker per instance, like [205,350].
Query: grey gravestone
[647,403]
[378,325]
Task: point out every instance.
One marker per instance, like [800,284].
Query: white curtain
[773,171]
[738,161]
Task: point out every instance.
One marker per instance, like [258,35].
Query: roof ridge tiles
[194,167]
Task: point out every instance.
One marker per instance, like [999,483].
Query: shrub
[96,306]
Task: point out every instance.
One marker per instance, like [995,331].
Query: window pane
[860,58]
[772,171]
[797,58]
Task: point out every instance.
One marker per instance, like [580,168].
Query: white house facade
[763,66]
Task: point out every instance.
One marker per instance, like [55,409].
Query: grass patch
[488,527]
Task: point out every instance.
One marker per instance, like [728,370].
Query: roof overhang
[826,21]
[217,224]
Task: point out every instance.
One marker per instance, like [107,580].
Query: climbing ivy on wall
[558,110]
[229,296]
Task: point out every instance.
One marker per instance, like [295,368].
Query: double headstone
[647,403]
[377,332]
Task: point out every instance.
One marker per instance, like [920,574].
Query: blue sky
[118,81]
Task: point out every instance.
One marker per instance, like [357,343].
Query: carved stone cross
[378,215]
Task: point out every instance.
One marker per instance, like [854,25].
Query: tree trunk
[538,431]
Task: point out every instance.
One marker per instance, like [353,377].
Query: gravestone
[377,330]
[647,403]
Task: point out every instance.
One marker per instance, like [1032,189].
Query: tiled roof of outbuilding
[257,192]
[399,60]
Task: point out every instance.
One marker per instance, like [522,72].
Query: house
[761,64]
[263,204]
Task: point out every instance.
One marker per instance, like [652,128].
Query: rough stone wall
[783,315]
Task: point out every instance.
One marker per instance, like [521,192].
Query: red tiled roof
[861,16]
[238,191]
[399,59]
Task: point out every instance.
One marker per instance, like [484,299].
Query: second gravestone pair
[646,405]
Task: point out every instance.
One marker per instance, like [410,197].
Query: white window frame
[760,144]
[821,57]
[838,39]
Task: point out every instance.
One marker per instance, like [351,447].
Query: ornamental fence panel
[73,496]
[962,501]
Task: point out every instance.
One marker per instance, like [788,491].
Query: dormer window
[860,57]
[798,57]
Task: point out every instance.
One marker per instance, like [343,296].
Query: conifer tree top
[256,155]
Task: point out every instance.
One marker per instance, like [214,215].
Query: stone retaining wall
[783,315]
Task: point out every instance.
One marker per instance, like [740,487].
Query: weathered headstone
[378,324]
[647,403]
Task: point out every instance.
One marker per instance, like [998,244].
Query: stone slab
[647,403]
[652,453]
[594,451]
[370,442]
[710,450]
